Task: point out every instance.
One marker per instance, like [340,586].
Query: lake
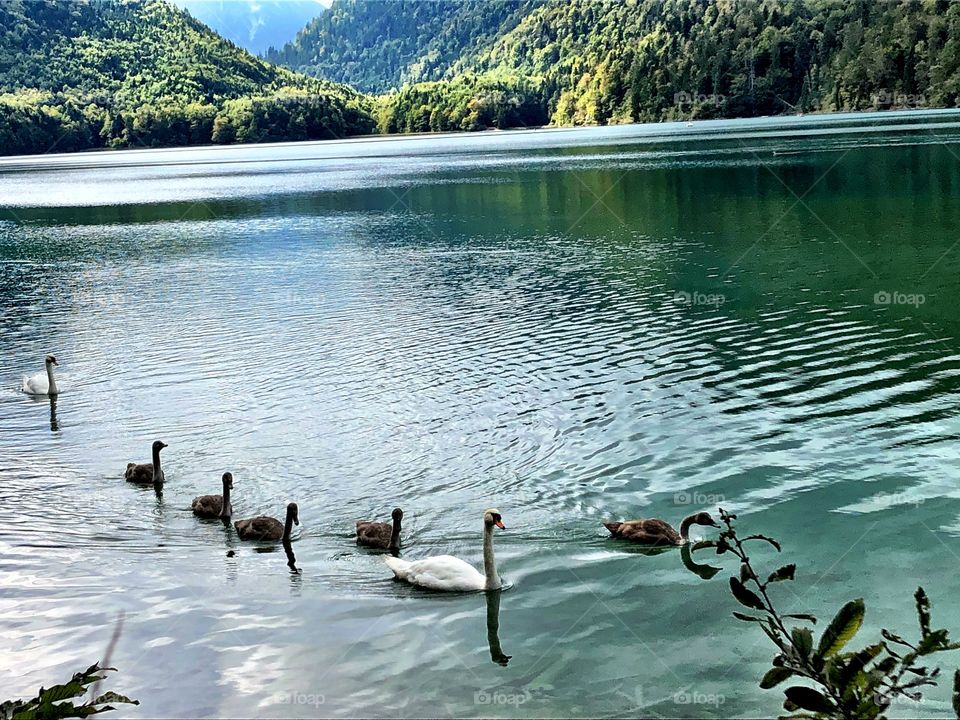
[572,326]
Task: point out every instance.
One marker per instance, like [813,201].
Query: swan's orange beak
[499,524]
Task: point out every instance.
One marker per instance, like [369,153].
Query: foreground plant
[54,702]
[846,684]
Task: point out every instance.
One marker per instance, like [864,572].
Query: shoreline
[664,126]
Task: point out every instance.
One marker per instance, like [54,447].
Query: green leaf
[774,677]
[842,628]
[894,638]
[802,641]
[809,699]
[869,708]
[765,539]
[923,611]
[61,692]
[932,642]
[852,676]
[884,667]
[748,618]
[746,597]
[784,573]
[833,667]
[745,573]
[801,616]
[112,697]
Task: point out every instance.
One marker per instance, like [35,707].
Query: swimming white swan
[445,572]
[42,383]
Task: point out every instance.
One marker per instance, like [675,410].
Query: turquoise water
[572,326]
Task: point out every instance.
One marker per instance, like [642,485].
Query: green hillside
[592,61]
[132,73]
[648,60]
[78,75]
[377,46]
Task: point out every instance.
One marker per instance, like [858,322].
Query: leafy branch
[846,684]
[54,702]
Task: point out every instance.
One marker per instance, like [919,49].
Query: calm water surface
[571,326]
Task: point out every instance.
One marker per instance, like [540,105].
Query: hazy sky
[255,24]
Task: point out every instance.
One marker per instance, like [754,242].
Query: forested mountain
[512,62]
[124,73]
[377,45]
[120,73]
[255,25]
[650,60]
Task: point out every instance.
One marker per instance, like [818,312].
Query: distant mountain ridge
[132,73]
[375,45]
[255,25]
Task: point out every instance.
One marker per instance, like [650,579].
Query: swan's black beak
[499,524]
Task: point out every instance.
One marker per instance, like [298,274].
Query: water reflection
[291,558]
[493,628]
[54,423]
[703,571]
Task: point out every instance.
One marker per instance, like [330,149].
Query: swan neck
[395,535]
[52,390]
[489,564]
[288,527]
[225,507]
[685,527]
[156,463]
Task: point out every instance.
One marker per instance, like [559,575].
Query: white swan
[445,572]
[42,383]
